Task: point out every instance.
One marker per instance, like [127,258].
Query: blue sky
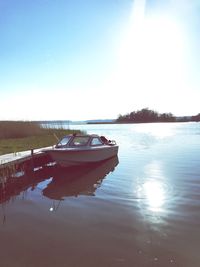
[91,59]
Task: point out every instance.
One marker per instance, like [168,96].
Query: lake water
[141,209]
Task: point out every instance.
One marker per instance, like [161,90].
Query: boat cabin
[82,140]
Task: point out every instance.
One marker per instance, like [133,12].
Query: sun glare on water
[152,192]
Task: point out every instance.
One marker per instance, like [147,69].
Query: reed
[19,129]
[16,136]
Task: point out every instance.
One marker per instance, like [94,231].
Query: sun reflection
[152,192]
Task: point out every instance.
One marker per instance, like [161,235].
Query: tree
[167,117]
[196,117]
[145,115]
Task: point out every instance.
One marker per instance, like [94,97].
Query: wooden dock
[36,155]
[19,171]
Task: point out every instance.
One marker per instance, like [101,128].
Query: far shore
[138,122]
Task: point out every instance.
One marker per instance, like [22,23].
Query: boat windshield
[64,141]
[80,141]
[96,141]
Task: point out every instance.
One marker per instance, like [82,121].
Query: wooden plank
[20,157]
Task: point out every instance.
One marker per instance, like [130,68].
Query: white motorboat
[79,149]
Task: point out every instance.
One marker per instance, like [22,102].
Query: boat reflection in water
[75,181]
[71,181]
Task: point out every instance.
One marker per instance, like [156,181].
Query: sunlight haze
[79,60]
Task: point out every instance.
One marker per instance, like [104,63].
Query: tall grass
[18,136]
[19,129]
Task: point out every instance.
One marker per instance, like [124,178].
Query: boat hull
[71,157]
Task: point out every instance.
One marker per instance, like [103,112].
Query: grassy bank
[20,136]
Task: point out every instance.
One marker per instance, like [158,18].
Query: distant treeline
[147,115]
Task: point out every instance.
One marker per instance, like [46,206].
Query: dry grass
[19,129]
[21,136]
